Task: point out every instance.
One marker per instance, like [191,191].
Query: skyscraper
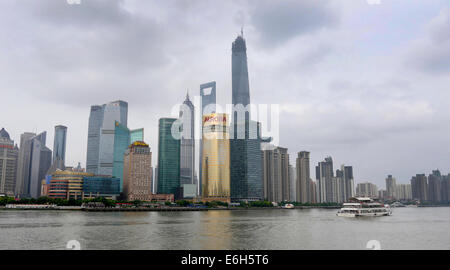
[434,187]
[303,178]
[276,182]
[59,147]
[168,158]
[419,187]
[41,160]
[208,100]
[23,164]
[137,172]
[324,176]
[8,163]
[216,158]
[292,183]
[123,137]
[101,133]
[245,137]
[187,144]
[391,187]
[34,161]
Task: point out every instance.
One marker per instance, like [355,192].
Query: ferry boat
[364,207]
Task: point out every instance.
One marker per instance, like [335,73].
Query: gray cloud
[279,23]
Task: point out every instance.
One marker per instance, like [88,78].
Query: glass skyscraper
[245,138]
[100,146]
[59,147]
[168,158]
[123,137]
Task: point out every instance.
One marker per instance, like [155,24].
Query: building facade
[324,178]
[208,101]
[101,134]
[67,184]
[137,172]
[59,147]
[187,144]
[419,187]
[9,154]
[303,177]
[245,137]
[216,158]
[391,186]
[276,182]
[168,158]
[123,137]
[366,189]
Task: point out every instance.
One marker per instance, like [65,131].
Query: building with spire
[245,138]
[187,144]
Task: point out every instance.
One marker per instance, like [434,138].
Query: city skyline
[376,151]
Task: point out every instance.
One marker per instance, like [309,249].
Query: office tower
[123,137]
[34,161]
[404,192]
[41,160]
[208,100]
[303,177]
[8,164]
[137,172]
[59,147]
[434,187]
[216,158]
[187,144]
[366,189]
[276,184]
[245,137]
[292,183]
[168,158]
[101,133]
[391,186]
[419,187]
[67,184]
[324,177]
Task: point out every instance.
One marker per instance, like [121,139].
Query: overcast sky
[366,84]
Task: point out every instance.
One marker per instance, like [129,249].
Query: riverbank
[159,209]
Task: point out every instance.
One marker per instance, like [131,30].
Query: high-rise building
[391,186]
[168,158]
[59,147]
[137,172]
[123,137]
[187,144]
[324,177]
[343,187]
[404,192]
[276,182]
[245,137]
[208,100]
[366,189]
[445,188]
[216,158]
[419,187]
[292,183]
[434,187]
[303,177]
[8,163]
[34,161]
[101,133]
[349,182]
[23,164]
[41,160]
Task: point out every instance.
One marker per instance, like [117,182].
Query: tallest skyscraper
[245,143]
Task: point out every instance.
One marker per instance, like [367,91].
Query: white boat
[364,207]
[288,206]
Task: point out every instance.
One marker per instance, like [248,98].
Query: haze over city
[371,93]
